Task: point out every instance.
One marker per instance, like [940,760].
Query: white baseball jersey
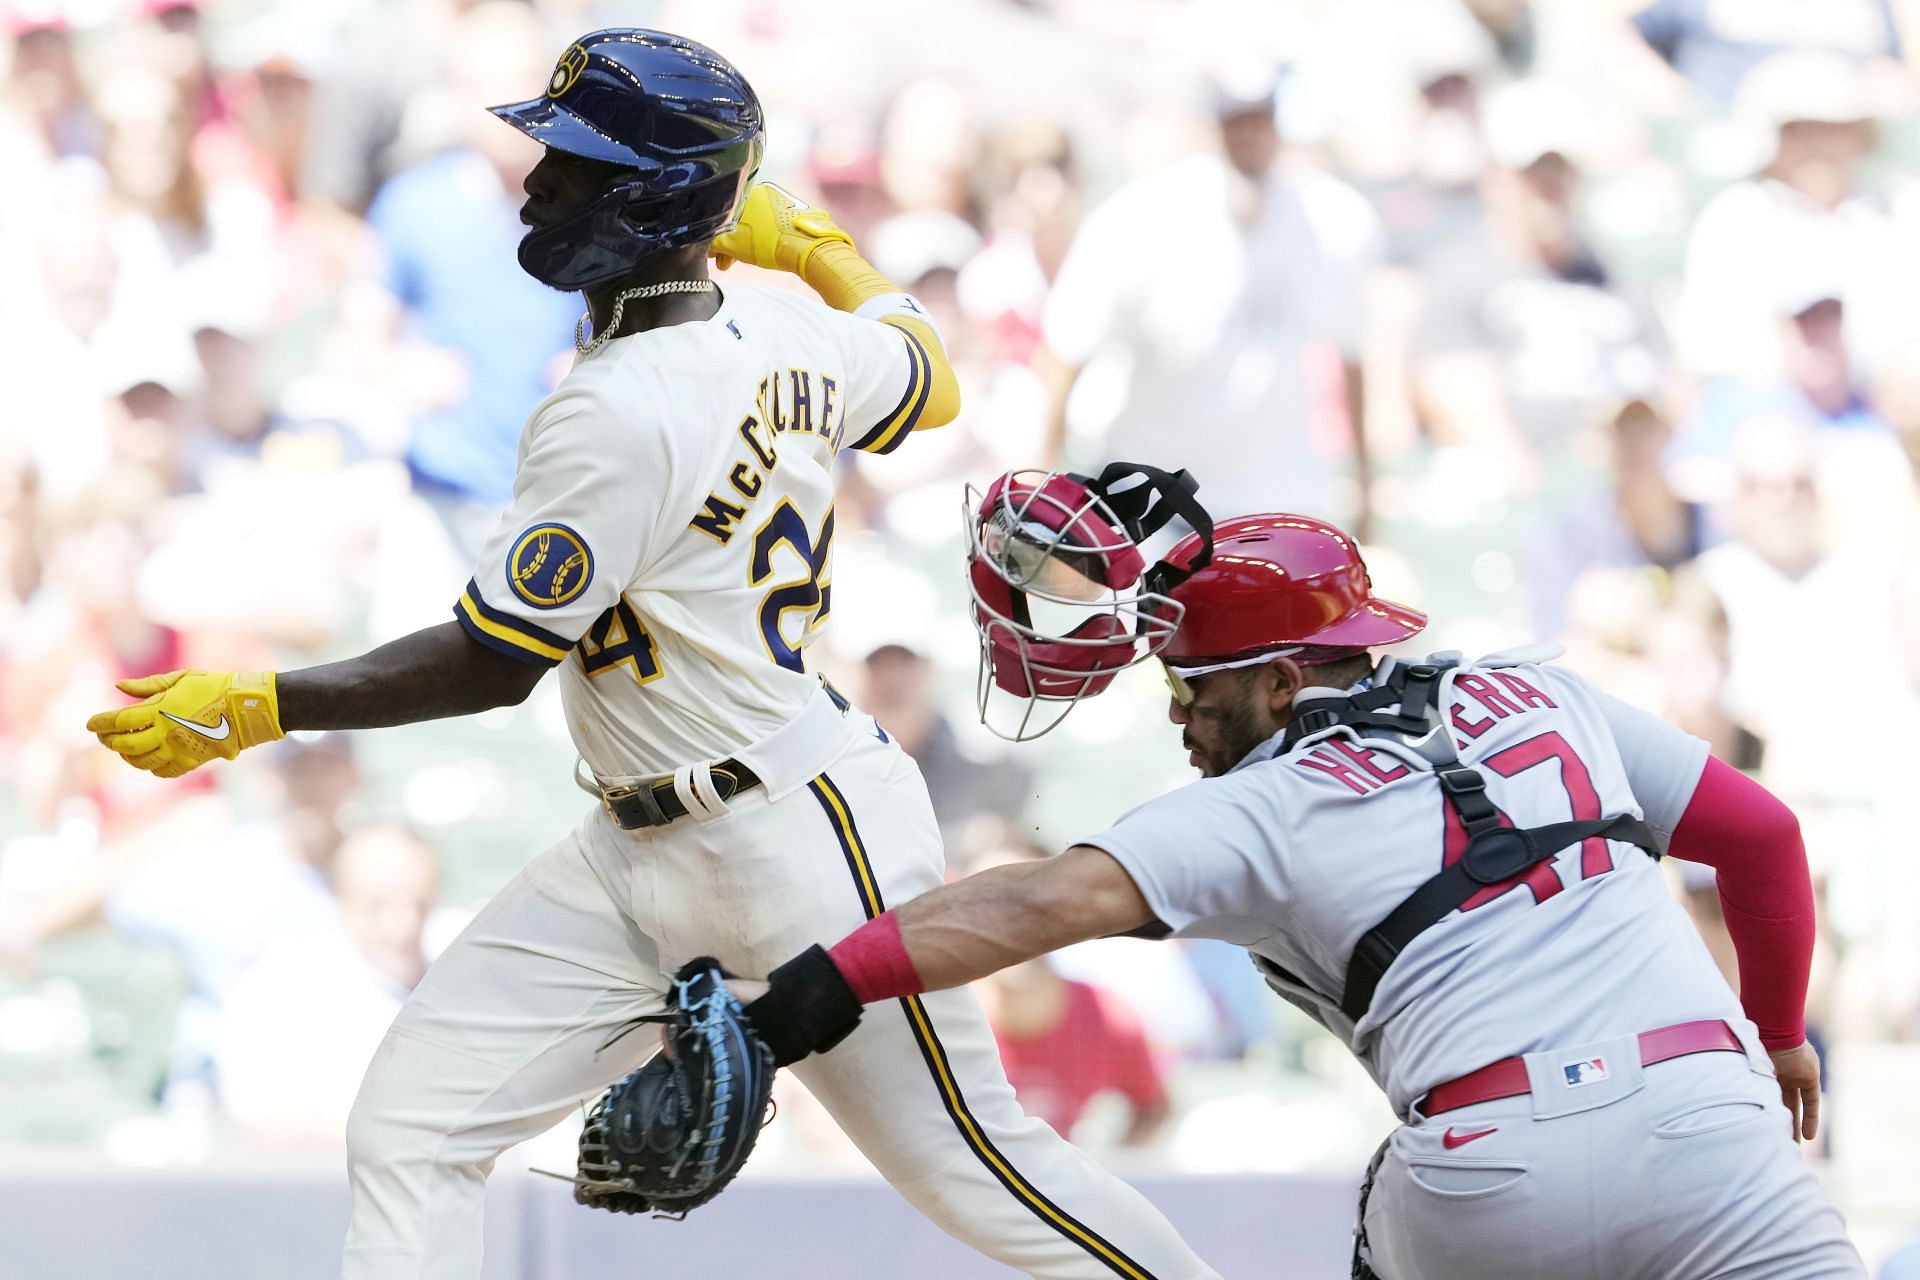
[670,547]
[1296,856]
[670,541]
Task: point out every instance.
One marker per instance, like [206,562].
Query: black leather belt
[655,804]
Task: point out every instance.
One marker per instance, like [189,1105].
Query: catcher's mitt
[673,1133]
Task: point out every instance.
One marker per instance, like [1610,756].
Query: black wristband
[810,1008]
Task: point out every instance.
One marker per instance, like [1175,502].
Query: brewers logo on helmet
[567,70]
[675,113]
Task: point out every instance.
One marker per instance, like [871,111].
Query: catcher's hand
[1798,1072]
[186,718]
[672,1134]
[777,230]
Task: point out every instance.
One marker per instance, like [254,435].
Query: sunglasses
[1180,679]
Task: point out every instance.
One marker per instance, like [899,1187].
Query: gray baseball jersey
[1294,856]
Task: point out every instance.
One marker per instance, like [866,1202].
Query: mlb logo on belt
[1585,1071]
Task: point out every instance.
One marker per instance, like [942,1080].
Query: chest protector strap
[1407,708]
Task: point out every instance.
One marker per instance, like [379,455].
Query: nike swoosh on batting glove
[186,718]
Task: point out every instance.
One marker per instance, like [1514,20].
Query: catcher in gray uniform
[1450,865]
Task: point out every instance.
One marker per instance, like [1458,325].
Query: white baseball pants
[510,1029]
[1685,1170]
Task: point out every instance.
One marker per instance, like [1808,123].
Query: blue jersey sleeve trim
[890,431]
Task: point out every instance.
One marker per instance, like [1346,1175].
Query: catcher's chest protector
[1407,708]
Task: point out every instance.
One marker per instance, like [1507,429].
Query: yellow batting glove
[186,718]
[777,230]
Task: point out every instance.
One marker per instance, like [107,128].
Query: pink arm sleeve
[874,961]
[1752,840]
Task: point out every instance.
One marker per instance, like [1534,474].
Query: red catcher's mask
[1063,599]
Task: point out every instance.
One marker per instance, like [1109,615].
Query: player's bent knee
[370,1132]
[378,1128]
[387,1138]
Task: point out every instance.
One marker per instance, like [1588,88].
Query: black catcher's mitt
[672,1134]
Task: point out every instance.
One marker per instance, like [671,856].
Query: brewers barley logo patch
[550,565]
[567,70]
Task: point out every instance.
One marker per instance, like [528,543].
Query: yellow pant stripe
[1119,1263]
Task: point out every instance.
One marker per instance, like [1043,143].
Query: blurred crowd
[1599,320]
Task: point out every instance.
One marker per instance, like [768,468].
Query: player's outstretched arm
[780,232]
[186,718]
[432,674]
[946,938]
[1008,915]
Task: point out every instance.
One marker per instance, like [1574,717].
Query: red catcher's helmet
[1278,580]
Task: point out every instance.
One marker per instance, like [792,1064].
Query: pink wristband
[874,961]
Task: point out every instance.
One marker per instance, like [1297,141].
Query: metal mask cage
[1066,685]
[1033,533]
[1066,570]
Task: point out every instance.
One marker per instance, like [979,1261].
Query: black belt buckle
[637,805]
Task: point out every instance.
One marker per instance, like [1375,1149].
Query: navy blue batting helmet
[676,113]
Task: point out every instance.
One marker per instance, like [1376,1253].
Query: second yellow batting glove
[187,718]
[777,230]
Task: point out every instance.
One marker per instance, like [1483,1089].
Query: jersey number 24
[618,638]
[809,595]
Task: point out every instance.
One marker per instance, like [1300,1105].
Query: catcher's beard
[1242,727]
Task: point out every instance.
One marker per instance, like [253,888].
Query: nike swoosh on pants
[1450,1140]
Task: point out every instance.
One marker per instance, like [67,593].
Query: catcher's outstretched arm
[946,938]
[1002,917]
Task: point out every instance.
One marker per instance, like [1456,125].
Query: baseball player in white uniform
[1450,866]
[669,550]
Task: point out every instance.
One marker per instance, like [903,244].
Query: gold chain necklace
[586,348]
